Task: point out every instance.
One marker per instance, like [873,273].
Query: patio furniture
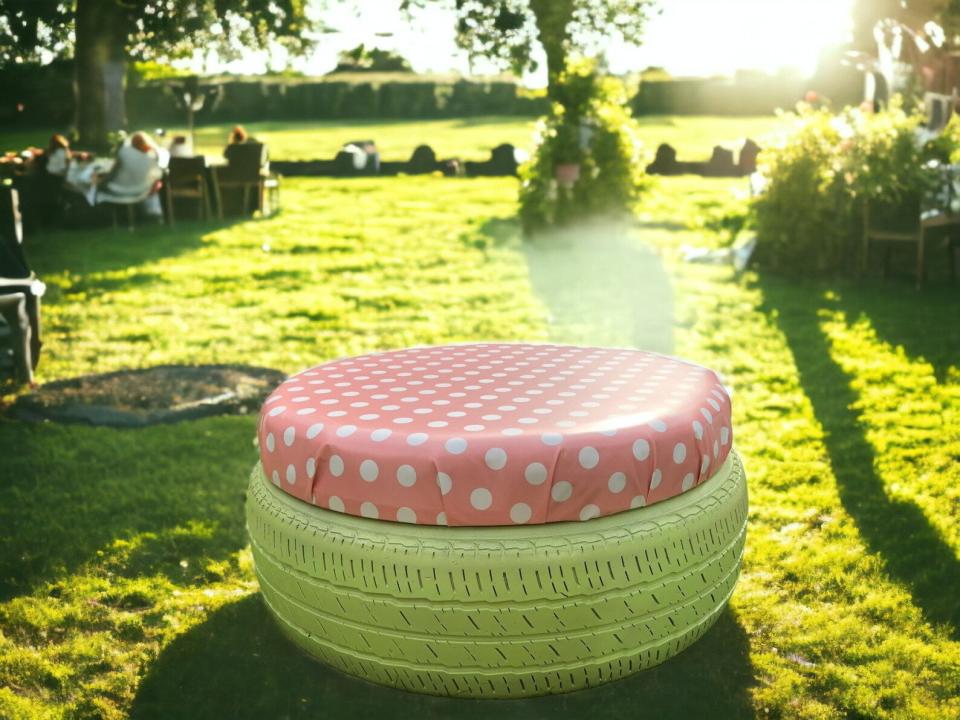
[187,180]
[20,293]
[910,224]
[497,520]
[247,176]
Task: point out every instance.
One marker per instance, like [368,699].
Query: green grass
[469,138]
[125,585]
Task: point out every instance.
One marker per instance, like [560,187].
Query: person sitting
[134,175]
[180,147]
[57,156]
[235,149]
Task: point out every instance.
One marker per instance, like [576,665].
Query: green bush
[589,125]
[821,172]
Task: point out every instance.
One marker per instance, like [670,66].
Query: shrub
[821,171]
[589,125]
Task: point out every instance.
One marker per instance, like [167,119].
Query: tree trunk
[100,71]
[553,19]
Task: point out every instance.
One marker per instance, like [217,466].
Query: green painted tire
[499,612]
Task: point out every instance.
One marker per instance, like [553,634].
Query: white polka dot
[311,467]
[346,430]
[314,430]
[724,435]
[335,504]
[403,420]
[275,476]
[291,474]
[714,404]
[679,453]
[588,457]
[510,432]
[561,491]
[656,479]
[445,482]
[369,470]
[638,501]
[481,499]
[658,425]
[716,449]
[336,465]
[306,411]
[380,434]
[289,435]
[617,482]
[473,428]
[455,445]
[271,443]
[535,474]
[406,515]
[406,475]
[589,512]
[417,439]
[369,510]
[704,464]
[697,430]
[442,518]
[495,458]
[706,415]
[437,424]
[369,416]
[521,513]
[551,438]
[277,410]
[688,480]
[641,449]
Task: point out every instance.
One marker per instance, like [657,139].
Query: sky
[688,37]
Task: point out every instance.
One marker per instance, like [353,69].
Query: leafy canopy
[156,29]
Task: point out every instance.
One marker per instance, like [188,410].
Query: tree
[508,31]
[103,35]
[364,59]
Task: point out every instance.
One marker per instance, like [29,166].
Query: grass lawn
[469,138]
[125,585]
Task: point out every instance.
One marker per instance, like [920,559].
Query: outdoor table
[497,519]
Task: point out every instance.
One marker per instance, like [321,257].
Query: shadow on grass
[600,285]
[139,501]
[238,665]
[924,323]
[913,551]
[84,252]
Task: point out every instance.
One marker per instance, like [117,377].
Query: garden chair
[20,294]
[247,173]
[907,225]
[187,180]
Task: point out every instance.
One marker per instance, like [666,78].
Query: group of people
[132,176]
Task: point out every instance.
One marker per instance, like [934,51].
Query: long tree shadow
[903,317]
[913,551]
[600,285]
[237,665]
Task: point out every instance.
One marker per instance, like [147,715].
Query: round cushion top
[495,434]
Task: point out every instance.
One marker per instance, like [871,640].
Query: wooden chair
[246,174]
[187,179]
[20,294]
[909,228]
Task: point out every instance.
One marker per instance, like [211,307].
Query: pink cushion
[495,434]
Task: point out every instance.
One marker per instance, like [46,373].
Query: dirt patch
[162,394]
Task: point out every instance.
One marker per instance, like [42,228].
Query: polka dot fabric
[495,434]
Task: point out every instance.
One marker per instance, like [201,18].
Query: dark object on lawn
[162,394]
[423,161]
[720,164]
[503,161]
[248,172]
[358,157]
[747,163]
[20,293]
